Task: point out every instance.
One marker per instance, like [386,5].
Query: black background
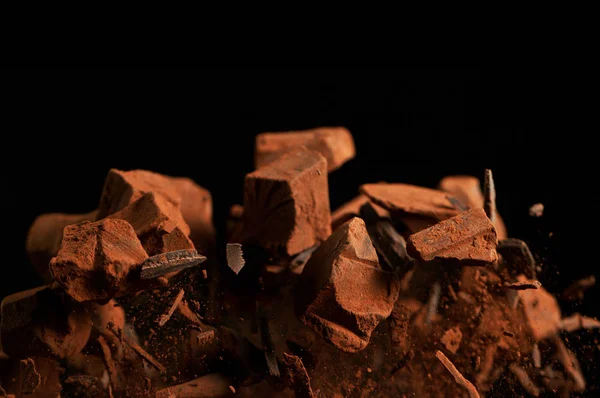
[63,129]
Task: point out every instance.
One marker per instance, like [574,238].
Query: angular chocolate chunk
[343,294]
[352,209]
[404,198]
[286,204]
[43,322]
[45,235]
[541,312]
[334,143]
[295,376]
[469,237]
[95,259]
[517,257]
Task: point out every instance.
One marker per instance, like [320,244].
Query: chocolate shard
[388,243]
[541,312]
[165,263]
[211,385]
[467,190]
[295,376]
[30,378]
[45,236]
[136,347]
[95,259]
[404,198]
[164,318]
[469,237]
[343,293]
[334,143]
[577,289]
[158,224]
[458,377]
[351,209]
[523,285]
[517,257]
[286,204]
[489,195]
[235,257]
[43,322]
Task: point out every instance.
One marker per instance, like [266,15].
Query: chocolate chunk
[541,312]
[334,143]
[351,209]
[208,386]
[286,204]
[30,378]
[517,257]
[577,289]
[95,259]
[536,210]
[467,189]
[165,263]
[235,257]
[451,339]
[45,236]
[44,322]
[404,198]
[295,376]
[469,237]
[158,224]
[343,293]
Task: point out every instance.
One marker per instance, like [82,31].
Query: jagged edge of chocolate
[165,263]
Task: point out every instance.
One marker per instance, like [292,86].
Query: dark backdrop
[64,128]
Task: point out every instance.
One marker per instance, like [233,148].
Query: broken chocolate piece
[45,236]
[577,289]
[351,209]
[135,347]
[164,318]
[458,377]
[523,285]
[469,237]
[343,293]
[165,263]
[334,143]
[536,210]
[208,386]
[295,376]
[524,379]
[451,339]
[517,257]
[577,321]
[158,224]
[541,312]
[390,245]
[467,190]
[43,322]
[235,257]
[404,198]
[30,378]
[489,195]
[286,204]
[95,259]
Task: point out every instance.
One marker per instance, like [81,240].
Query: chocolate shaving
[569,362]
[489,195]
[135,347]
[235,258]
[164,318]
[458,377]
[524,379]
[173,261]
[523,285]
[30,379]
[536,356]
[576,290]
[577,321]
[108,360]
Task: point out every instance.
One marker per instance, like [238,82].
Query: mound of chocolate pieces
[402,291]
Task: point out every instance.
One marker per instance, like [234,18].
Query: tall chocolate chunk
[469,237]
[158,224]
[401,199]
[335,143]
[95,259]
[286,204]
[343,293]
[45,235]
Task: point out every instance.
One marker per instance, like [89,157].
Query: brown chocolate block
[158,224]
[404,198]
[197,211]
[541,312]
[124,187]
[334,143]
[43,321]
[45,235]
[352,209]
[295,376]
[286,204]
[209,386]
[469,237]
[96,259]
[343,293]
[467,189]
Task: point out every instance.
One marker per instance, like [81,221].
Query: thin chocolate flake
[458,377]
[135,347]
[489,195]
[173,261]
[164,318]
[524,379]
[403,362]
[577,321]
[577,289]
[235,257]
[523,285]
[108,360]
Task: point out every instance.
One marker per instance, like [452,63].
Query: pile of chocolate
[403,291]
